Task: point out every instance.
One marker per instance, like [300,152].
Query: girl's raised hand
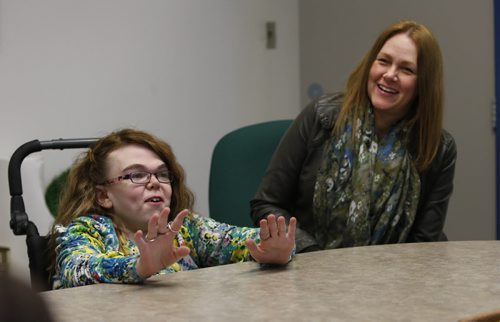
[157,249]
[276,244]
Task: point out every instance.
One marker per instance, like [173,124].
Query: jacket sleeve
[82,258]
[217,243]
[277,191]
[437,189]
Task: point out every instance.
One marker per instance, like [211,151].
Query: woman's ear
[102,197]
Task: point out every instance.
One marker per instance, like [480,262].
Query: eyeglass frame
[129,175]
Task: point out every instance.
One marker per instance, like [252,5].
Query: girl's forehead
[133,156]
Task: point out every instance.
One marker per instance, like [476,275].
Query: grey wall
[187,70]
[334,35]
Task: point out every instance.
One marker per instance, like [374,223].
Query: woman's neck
[384,122]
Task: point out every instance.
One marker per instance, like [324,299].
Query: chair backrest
[239,161]
[54,190]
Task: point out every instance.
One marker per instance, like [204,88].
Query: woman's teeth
[387,89]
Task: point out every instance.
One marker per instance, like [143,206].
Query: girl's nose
[153,182]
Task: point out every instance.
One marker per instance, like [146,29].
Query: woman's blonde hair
[426,115]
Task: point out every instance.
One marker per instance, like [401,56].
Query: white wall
[187,70]
[334,36]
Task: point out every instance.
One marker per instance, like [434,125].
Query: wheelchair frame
[20,224]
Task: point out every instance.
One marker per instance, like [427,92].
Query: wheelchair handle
[18,216]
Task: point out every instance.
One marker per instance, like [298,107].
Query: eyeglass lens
[144,177]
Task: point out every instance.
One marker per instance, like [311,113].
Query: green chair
[239,161]
[53,191]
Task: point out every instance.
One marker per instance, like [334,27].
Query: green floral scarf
[366,192]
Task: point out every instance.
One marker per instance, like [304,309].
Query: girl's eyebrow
[138,166]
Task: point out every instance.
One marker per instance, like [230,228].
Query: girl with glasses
[124,216]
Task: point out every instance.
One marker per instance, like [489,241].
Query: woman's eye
[408,71]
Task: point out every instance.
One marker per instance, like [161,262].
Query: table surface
[443,281]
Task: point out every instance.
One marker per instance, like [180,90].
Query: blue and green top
[90,250]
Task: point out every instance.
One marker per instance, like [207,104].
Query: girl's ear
[102,197]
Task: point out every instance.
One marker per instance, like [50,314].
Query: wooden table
[407,282]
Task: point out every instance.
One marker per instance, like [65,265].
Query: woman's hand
[276,243]
[157,249]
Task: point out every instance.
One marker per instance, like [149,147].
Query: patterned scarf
[366,191]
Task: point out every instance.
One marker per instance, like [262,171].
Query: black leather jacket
[288,185]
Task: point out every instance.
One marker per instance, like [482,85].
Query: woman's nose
[391,74]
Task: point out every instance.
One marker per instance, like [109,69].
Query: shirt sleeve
[88,252]
[215,243]
[288,180]
[287,187]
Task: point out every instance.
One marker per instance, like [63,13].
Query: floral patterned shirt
[89,250]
